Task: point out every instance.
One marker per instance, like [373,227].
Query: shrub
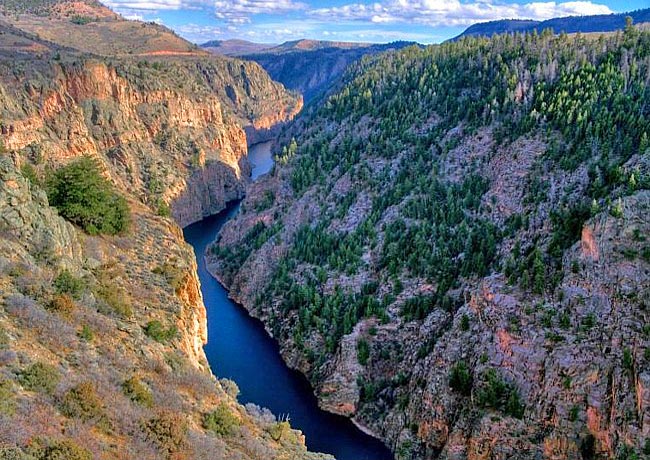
[174,275]
[279,429]
[81,20]
[464,323]
[498,394]
[363,352]
[83,196]
[62,304]
[137,392]
[82,402]
[7,402]
[167,431]
[115,298]
[460,378]
[60,449]
[67,283]
[230,387]
[163,209]
[86,333]
[39,377]
[220,421]
[157,331]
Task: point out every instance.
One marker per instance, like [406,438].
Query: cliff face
[164,141]
[311,67]
[147,397]
[462,281]
[101,337]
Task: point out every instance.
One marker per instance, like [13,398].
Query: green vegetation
[279,429]
[363,352]
[83,196]
[115,298]
[255,238]
[63,305]
[460,378]
[155,330]
[138,392]
[7,400]
[86,333]
[39,377]
[58,449]
[221,421]
[67,283]
[168,431]
[83,402]
[495,393]
[81,20]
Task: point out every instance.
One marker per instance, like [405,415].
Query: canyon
[452,245]
[102,336]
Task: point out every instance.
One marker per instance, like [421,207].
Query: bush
[221,421]
[67,283]
[138,392]
[500,395]
[39,377]
[167,431]
[63,305]
[363,352]
[460,379]
[115,298]
[157,331]
[61,449]
[279,429]
[230,387]
[7,402]
[86,333]
[83,196]
[83,403]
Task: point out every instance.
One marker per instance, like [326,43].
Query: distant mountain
[571,24]
[234,47]
[314,45]
[308,66]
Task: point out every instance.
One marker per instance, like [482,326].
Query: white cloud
[156,5]
[240,11]
[453,12]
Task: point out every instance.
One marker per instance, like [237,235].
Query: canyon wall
[101,337]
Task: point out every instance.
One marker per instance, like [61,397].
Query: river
[240,349]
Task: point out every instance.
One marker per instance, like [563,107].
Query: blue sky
[425,21]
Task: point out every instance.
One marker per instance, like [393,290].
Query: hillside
[454,247]
[569,25]
[311,66]
[102,323]
[234,47]
[88,26]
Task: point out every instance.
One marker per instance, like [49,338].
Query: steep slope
[569,25]
[171,129]
[101,336]
[311,67]
[453,248]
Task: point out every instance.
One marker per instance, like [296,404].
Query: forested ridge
[432,172]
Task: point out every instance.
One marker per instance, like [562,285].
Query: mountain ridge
[568,24]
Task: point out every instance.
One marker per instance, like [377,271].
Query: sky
[379,21]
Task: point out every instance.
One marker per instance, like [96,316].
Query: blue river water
[240,349]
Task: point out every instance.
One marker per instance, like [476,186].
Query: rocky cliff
[311,67]
[101,337]
[453,248]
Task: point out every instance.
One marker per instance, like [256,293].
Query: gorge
[447,247]
[240,349]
